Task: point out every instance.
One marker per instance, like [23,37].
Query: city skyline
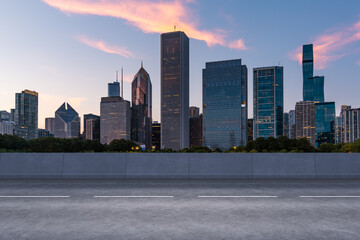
[49,66]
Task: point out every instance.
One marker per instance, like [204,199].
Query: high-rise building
[7,128]
[12,115]
[305,120]
[250,129]
[174,90]
[350,118]
[141,111]
[268,102]
[114,87]
[339,130]
[95,131]
[26,114]
[67,122]
[50,125]
[324,123]
[156,136]
[225,104]
[92,131]
[308,72]
[286,124]
[292,124]
[195,127]
[115,119]
[318,89]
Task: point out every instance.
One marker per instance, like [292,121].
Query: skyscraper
[318,90]
[339,130]
[156,135]
[50,125]
[292,124]
[250,129]
[324,123]
[268,102]
[308,72]
[350,118]
[114,87]
[67,122]
[195,127]
[95,125]
[115,119]
[174,90]
[141,111]
[286,124]
[305,120]
[26,114]
[225,104]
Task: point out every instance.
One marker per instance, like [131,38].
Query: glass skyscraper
[324,123]
[141,112]
[225,104]
[318,90]
[174,90]
[268,102]
[26,114]
[114,89]
[308,72]
[67,122]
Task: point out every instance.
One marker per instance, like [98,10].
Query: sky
[68,50]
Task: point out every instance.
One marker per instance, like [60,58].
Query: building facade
[50,125]
[350,118]
[292,124]
[324,123]
[308,72]
[114,89]
[305,121]
[225,104]
[174,90]
[195,127]
[286,124]
[141,110]
[339,130]
[26,114]
[115,119]
[250,129]
[7,128]
[268,102]
[44,133]
[67,122]
[4,116]
[156,135]
[92,131]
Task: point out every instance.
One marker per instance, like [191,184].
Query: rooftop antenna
[122,83]
[117,77]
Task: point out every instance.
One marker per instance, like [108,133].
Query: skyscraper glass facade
[225,104]
[305,121]
[174,90]
[324,123]
[26,114]
[308,72]
[141,112]
[268,102]
[67,122]
[318,90]
[114,89]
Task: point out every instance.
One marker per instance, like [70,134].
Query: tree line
[11,143]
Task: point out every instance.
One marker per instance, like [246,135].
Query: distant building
[350,118]
[339,130]
[115,119]
[7,128]
[12,115]
[286,124]
[225,106]
[4,116]
[67,122]
[292,124]
[92,129]
[174,90]
[308,72]
[250,129]
[44,133]
[26,114]
[324,123]
[305,120]
[268,102]
[195,127]
[156,136]
[50,125]
[141,110]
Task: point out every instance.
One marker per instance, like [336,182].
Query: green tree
[122,145]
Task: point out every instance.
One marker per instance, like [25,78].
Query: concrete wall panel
[338,165]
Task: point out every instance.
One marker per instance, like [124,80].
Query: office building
[26,114]
[268,102]
[115,119]
[12,115]
[156,135]
[305,121]
[95,131]
[141,110]
[196,127]
[50,125]
[67,122]
[292,124]
[339,130]
[114,87]
[4,116]
[324,123]
[350,118]
[7,128]
[225,104]
[308,72]
[286,124]
[250,129]
[92,131]
[174,90]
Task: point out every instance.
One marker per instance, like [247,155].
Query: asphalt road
[179,210]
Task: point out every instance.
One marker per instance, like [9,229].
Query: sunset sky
[68,50]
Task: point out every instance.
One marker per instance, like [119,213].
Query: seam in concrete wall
[125,165]
[0,160]
[62,166]
[188,163]
[315,163]
[252,165]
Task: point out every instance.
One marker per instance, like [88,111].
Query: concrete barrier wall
[179,166]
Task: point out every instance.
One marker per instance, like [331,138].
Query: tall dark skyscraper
[156,135]
[26,114]
[324,123]
[67,122]
[174,90]
[141,112]
[268,102]
[114,87]
[195,127]
[225,106]
[308,72]
[318,89]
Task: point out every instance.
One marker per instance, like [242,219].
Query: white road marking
[330,196]
[238,196]
[34,196]
[133,196]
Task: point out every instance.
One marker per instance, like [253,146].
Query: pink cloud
[332,46]
[100,45]
[358,63]
[148,16]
